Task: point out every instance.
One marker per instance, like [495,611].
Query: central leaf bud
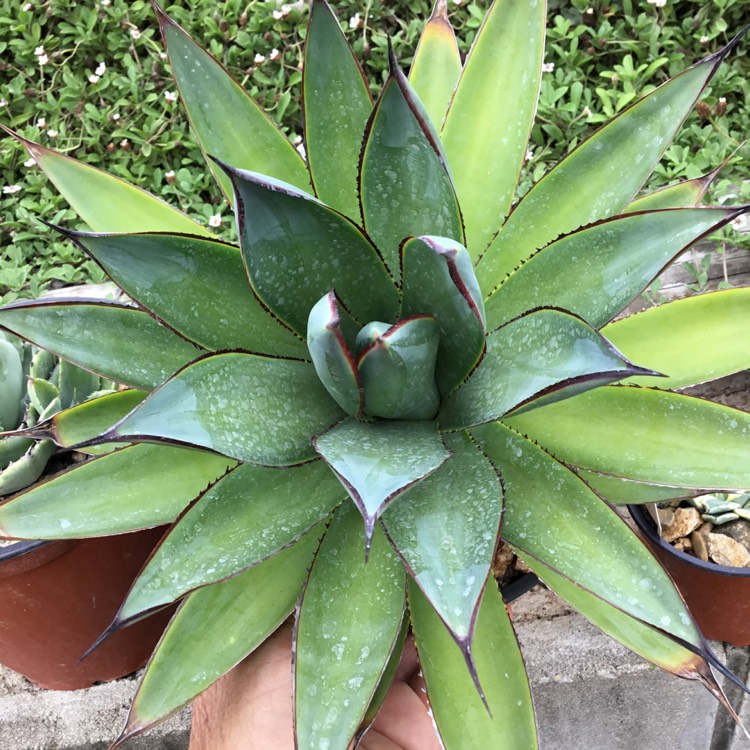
[397,368]
[385,371]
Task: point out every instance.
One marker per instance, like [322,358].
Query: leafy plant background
[122,115]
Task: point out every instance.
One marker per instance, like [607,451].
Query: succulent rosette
[396,369]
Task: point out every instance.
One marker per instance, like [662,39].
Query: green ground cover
[90,79]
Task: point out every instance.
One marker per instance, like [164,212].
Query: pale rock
[684,544]
[698,539]
[724,550]
[684,523]
[738,530]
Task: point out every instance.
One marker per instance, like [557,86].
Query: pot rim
[22,547]
[647,527]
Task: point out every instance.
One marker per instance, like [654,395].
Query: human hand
[250,708]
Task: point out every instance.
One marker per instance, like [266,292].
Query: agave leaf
[113,340]
[384,685]
[215,628]
[297,249]
[692,340]
[647,435]
[12,377]
[595,272]
[685,194]
[378,461]
[105,202]
[259,409]
[337,105]
[403,197]
[507,718]
[541,357]
[649,643]
[169,274]
[489,121]
[85,421]
[348,623]
[599,178]
[234,525]
[134,488]
[437,64]
[551,515]
[27,469]
[619,491]
[258,145]
[397,368]
[332,357]
[438,280]
[446,529]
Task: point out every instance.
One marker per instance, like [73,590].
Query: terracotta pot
[57,597]
[718,596]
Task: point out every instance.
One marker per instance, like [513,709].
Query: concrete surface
[589,691]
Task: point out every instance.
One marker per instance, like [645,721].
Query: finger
[250,707]
[404,721]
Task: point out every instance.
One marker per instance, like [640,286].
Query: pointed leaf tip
[465,645]
[440,10]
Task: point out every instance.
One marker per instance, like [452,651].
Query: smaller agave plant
[35,385]
[396,369]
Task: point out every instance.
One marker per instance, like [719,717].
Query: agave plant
[35,385]
[397,368]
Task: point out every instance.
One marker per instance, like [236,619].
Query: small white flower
[356,22]
[115,116]
[657,3]
[297,140]
[286,9]
[100,68]
[722,100]
[169,175]
[30,163]
[105,3]
[259,59]
[163,56]
[548,67]
[41,123]
[215,221]
[3,102]
[52,133]
[124,143]
[704,39]
[28,6]
[301,150]
[135,33]
[529,155]
[10,189]
[93,79]
[43,59]
[274,54]
[587,111]
[277,15]
[170,96]
[39,51]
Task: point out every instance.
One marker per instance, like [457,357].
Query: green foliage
[602,60]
